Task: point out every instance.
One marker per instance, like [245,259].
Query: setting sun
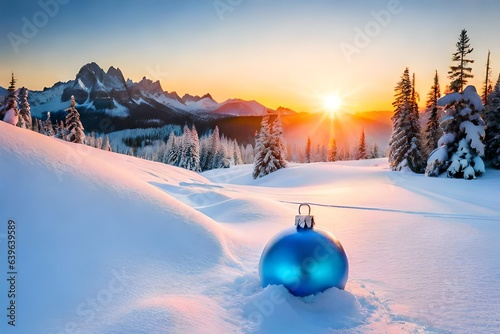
[332,103]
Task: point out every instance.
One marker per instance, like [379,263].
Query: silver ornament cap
[304,221]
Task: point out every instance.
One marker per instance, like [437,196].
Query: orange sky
[280,54]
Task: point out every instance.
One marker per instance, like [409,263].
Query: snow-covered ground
[107,243]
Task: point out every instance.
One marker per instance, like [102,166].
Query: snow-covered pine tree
[190,157]
[332,150]
[487,87]
[174,155]
[25,120]
[35,125]
[185,142]
[211,156]
[278,144]
[248,154]
[90,139]
[405,147]
[416,161]
[204,153]
[459,73]
[60,131]
[48,128]
[215,149]
[11,111]
[361,154]
[74,126]
[432,131]
[308,150]
[195,150]
[463,135]
[493,127]
[374,152]
[168,146]
[237,159]
[39,125]
[106,145]
[262,148]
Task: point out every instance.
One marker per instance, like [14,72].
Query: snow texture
[446,139]
[439,154]
[470,94]
[134,246]
[449,99]
[474,136]
[11,116]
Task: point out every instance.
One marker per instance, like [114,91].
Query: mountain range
[106,97]
[109,92]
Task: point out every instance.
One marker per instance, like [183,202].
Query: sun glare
[332,104]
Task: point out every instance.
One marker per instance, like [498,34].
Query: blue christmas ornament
[304,259]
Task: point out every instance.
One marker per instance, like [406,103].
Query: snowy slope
[113,244]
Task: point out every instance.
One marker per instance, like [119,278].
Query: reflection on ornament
[304,259]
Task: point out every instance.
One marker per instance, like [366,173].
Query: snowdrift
[107,243]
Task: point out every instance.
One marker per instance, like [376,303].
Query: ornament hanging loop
[304,221]
[308,207]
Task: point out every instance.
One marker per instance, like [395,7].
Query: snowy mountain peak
[96,90]
[148,85]
[190,98]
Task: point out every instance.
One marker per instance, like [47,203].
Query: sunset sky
[281,53]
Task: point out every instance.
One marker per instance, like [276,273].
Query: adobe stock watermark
[90,309]
[224,6]
[373,28]
[30,27]
[77,153]
[265,309]
[156,74]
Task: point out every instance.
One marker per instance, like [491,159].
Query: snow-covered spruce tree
[308,150]
[492,113]
[278,144]
[432,131]
[74,126]
[221,159]
[210,151]
[185,142]
[463,136]
[361,154]
[460,72]
[39,125]
[25,120]
[106,145]
[262,148]
[174,155]
[90,139]
[168,146]
[35,125]
[248,154]
[237,159]
[405,147]
[195,151]
[60,130]
[190,156]
[332,150]
[374,152]
[11,111]
[48,128]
